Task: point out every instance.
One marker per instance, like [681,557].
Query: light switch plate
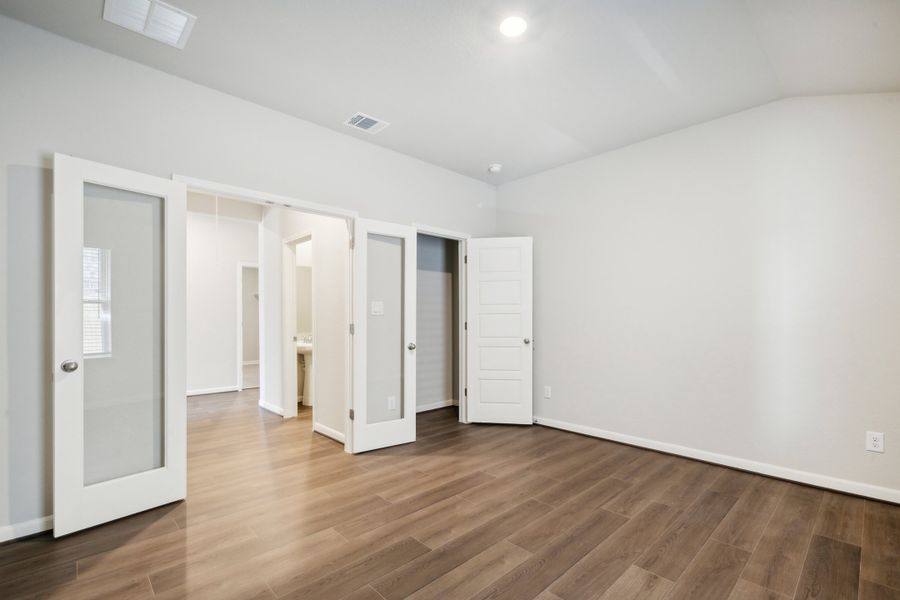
[377,308]
[392,402]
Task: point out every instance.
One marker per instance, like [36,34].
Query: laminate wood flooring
[468,511]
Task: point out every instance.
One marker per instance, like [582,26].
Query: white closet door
[119,441]
[384,316]
[499,352]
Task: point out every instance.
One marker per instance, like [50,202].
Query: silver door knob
[412,346]
[527,340]
[68,366]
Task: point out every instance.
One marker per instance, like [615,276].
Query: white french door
[119,439]
[499,353]
[384,343]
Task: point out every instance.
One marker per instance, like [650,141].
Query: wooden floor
[466,512]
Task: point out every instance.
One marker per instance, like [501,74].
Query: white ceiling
[588,76]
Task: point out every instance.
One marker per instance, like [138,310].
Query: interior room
[222,294]
[519,299]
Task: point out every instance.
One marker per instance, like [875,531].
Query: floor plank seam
[808,546]
[760,538]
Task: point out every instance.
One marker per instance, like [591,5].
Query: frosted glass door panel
[385,292]
[123,326]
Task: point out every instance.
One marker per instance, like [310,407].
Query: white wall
[60,96]
[436,322]
[732,288]
[215,248]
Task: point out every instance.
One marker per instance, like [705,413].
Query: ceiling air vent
[366,123]
[152,18]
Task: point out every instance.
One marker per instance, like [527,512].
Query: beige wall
[732,288]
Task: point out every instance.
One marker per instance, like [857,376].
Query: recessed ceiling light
[152,18]
[495,168]
[513,26]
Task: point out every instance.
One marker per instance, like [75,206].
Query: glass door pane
[385,336]
[122,329]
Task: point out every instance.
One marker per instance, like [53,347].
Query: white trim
[257,197]
[815,479]
[213,390]
[329,432]
[249,363]
[271,408]
[462,331]
[440,232]
[25,528]
[349,266]
[435,405]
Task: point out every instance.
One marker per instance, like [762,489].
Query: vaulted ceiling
[588,76]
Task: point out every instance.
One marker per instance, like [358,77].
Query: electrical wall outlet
[547,391]
[874,441]
[392,402]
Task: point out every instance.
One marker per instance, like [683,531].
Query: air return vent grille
[366,123]
[152,18]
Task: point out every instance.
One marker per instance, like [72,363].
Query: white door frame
[460,238]
[289,309]
[240,320]
[76,505]
[267,199]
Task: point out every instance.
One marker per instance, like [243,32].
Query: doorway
[248,326]
[438,316]
[222,256]
[299,318]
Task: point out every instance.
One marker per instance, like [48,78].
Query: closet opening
[440,329]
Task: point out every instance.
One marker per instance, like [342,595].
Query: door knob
[412,346]
[527,340]
[68,366]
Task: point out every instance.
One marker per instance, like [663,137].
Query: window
[97,338]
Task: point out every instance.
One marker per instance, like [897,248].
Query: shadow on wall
[29,341]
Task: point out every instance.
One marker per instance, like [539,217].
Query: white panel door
[499,352]
[119,439]
[384,318]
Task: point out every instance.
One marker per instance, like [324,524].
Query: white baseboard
[214,390]
[247,363]
[25,528]
[329,432]
[271,407]
[434,405]
[815,479]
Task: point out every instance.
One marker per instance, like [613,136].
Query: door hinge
[352,414]
[352,329]
[466,326]
[466,392]
[466,259]
[352,244]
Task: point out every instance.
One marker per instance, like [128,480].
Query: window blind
[96,314]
